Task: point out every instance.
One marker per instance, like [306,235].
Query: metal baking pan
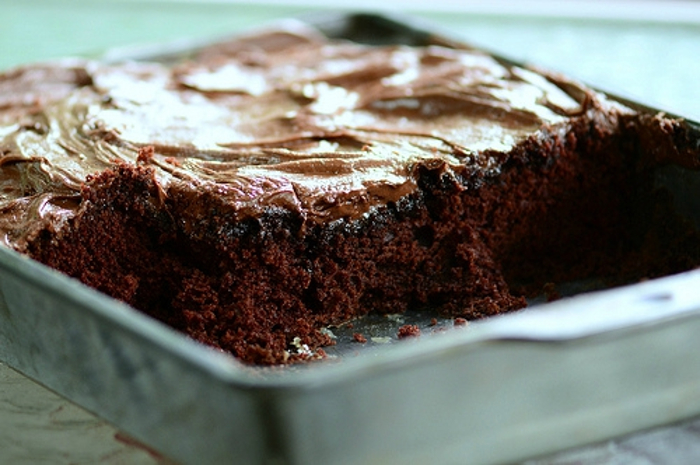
[553,376]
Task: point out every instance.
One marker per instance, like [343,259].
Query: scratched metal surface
[40,427]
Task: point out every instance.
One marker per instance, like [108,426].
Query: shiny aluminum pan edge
[554,376]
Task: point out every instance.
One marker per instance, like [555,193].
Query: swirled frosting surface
[285,118]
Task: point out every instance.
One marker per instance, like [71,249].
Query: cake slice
[276,184]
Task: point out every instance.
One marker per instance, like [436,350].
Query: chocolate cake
[273,185]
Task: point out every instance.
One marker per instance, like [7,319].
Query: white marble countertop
[37,426]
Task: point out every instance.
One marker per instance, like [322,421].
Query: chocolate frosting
[283,119]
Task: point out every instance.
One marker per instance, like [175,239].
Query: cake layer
[283,182]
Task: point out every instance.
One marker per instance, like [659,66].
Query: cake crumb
[408,331]
[461,321]
[551,292]
[304,352]
[433,322]
[145,154]
[359,337]
[302,349]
